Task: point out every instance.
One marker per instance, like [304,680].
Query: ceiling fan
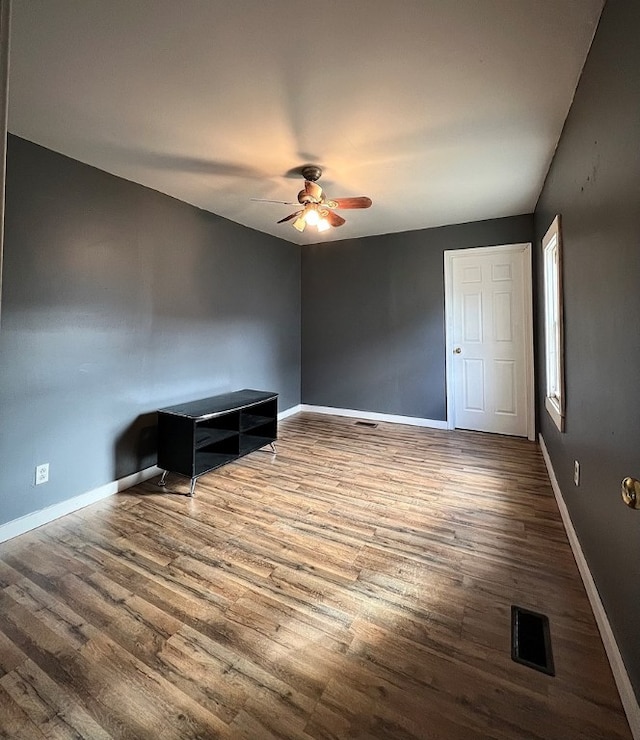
[317,209]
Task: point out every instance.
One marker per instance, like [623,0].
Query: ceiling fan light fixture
[323,225]
[312,216]
[300,223]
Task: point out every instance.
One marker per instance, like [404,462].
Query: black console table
[197,437]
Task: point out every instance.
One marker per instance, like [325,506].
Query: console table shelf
[197,437]
[205,436]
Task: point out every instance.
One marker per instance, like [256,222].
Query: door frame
[449,256]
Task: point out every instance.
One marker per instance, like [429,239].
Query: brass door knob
[631,492]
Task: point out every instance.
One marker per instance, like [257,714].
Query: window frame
[554,323]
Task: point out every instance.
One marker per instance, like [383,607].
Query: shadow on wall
[136,447]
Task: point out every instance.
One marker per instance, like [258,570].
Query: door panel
[472,317]
[502,317]
[474,399]
[505,377]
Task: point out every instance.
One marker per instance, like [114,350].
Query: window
[553,329]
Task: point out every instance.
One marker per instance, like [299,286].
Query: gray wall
[373,317]
[594,183]
[119,300]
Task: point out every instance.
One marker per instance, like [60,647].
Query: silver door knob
[457,350]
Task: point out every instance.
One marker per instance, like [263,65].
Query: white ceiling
[442,111]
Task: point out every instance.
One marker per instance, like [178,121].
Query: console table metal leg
[163,479]
[192,489]
[273,447]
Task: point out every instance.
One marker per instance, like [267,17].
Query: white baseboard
[627,694]
[372,416]
[289,412]
[44,516]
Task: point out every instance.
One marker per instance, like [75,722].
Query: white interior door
[490,339]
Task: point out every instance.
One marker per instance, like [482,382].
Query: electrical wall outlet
[42,473]
[576,472]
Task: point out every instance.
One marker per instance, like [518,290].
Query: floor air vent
[368,424]
[531,640]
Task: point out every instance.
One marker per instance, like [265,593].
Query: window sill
[552,406]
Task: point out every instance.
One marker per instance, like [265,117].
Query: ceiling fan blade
[313,190]
[289,217]
[361,202]
[283,202]
[334,219]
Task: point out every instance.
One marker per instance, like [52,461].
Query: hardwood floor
[356,585]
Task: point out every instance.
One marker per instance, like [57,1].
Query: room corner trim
[372,416]
[289,412]
[625,689]
[50,513]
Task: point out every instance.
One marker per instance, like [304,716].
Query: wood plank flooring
[356,585]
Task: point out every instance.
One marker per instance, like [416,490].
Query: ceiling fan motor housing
[304,197]
[311,172]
